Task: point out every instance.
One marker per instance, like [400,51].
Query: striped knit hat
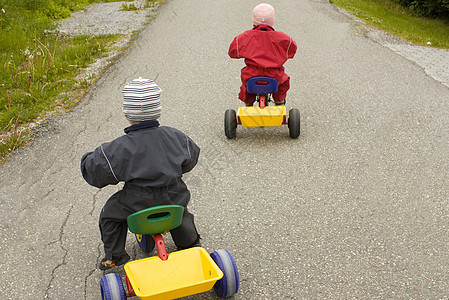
[263,14]
[141,100]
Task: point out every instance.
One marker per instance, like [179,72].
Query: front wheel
[294,125]
[112,287]
[230,123]
[228,285]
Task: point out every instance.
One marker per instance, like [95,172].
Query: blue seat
[262,86]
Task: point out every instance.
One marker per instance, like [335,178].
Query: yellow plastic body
[253,116]
[186,272]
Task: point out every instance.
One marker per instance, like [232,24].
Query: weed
[129,7]
[392,17]
[133,7]
[13,140]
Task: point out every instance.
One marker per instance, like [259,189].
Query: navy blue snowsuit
[150,159]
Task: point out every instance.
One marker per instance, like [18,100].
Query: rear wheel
[146,242]
[230,123]
[228,285]
[294,121]
[112,287]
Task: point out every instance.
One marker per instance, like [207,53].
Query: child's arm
[291,50]
[96,168]
[234,48]
[193,152]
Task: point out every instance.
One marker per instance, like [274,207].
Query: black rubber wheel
[230,123]
[294,121]
[146,242]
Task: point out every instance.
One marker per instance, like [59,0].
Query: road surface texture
[357,207]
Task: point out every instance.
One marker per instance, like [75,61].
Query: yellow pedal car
[170,276]
[262,115]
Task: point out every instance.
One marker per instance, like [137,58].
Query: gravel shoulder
[107,18]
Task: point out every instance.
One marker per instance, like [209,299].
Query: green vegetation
[132,7]
[427,8]
[129,7]
[392,17]
[11,141]
[33,78]
[39,68]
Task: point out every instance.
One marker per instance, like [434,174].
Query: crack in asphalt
[108,118]
[61,234]
[48,193]
[94,204]
[92,271]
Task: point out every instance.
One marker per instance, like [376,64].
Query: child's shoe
[107,264]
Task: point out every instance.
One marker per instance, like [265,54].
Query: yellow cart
[175,275]
[262,115]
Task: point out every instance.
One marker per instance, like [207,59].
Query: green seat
[157,219]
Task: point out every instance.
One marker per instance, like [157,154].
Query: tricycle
[263,115]
[170,275]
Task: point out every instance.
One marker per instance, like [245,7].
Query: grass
[38,71]
[13,140]
[33,79]
[41,78]
[395,19]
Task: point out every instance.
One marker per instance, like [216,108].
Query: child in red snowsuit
[265,51]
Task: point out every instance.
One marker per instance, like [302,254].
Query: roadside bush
[428,8]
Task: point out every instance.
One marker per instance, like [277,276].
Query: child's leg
[247,98]
[186,235]
[281,94]
[113,235]
[113,227]
[247,73]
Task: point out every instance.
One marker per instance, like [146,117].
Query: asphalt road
[357,207]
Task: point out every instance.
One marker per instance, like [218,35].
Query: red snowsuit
[265,51]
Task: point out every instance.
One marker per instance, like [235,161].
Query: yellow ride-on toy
[170,276]
[262,115]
